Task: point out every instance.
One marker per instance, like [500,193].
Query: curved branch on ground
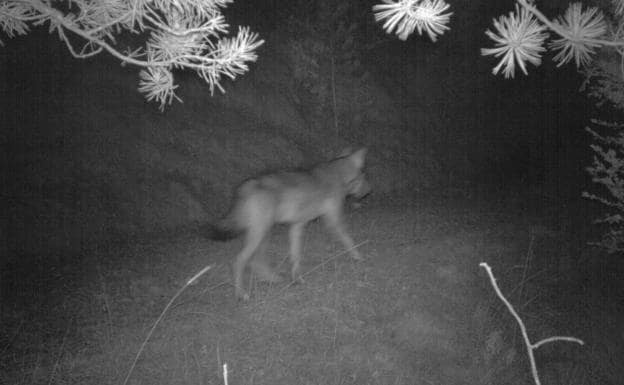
[525,335]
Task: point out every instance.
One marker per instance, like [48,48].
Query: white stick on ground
[530,347]
[225,374]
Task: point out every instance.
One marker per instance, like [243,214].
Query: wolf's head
[357,185]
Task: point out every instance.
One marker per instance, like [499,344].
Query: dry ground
[417,311]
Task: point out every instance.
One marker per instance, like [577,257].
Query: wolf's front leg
[335,224]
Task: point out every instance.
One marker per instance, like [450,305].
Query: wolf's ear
[358,157]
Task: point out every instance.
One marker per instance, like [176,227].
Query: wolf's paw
[296,276]
[241,295]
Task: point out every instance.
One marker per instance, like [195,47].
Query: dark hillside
[88,158]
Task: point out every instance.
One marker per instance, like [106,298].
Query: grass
[418,310]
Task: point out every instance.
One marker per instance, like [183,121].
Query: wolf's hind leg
[253,239]
[295,235]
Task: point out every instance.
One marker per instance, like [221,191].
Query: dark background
[86,158]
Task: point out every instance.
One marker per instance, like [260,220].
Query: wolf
[294,198]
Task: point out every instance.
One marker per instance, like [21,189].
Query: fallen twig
[530,346]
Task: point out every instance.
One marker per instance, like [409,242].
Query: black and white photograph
[312,192]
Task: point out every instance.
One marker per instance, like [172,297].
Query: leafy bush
[605,83]
[607,169]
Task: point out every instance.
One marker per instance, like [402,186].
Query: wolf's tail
[224,230]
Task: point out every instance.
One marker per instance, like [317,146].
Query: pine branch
[184,34]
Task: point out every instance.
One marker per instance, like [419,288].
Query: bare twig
[530,347]
[557,338]
[336,256]
[527,263]
[189,282]
[60,354]
[106,305]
